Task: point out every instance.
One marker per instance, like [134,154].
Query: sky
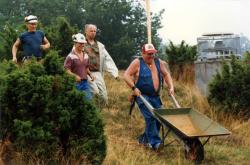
[188,19]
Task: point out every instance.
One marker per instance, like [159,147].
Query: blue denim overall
[145,85]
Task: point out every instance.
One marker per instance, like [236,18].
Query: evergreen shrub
[230,89]
[42,113]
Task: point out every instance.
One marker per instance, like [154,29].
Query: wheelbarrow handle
[151,108]
[175,101]
[147,104]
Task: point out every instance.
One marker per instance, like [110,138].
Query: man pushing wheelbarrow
[144,76]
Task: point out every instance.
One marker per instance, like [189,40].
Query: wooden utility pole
[148,21]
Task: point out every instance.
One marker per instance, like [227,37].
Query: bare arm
[46,44]
[130,73]
[77,78]
[167,77]
[15,49]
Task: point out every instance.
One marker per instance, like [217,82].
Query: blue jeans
[84,86]
[151,134]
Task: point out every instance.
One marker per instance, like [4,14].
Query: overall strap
[158,66]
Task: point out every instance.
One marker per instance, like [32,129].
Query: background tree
[48,11]
[122,24]
[8,37]
[12,12]
[181,60]
[60,36]
[122,27]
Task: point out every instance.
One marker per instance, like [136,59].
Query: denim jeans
[84,86]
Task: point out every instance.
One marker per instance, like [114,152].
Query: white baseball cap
[80,38]
[148,48]
[31,19]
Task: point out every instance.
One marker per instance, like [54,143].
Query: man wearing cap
[100,61]
[77,65]
[144,77]
[33,41]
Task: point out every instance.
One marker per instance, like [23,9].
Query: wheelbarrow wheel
[194,150]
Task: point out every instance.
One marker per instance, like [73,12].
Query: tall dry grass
[122,130]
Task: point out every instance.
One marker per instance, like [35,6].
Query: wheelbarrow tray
[190,123]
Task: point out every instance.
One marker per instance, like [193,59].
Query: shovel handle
[175,101]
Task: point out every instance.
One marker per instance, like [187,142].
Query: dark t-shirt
[31,42]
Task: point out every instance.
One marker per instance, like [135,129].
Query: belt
[30,57]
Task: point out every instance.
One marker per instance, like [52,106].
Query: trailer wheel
[194,150]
